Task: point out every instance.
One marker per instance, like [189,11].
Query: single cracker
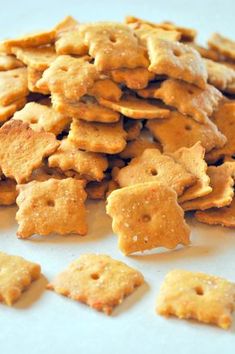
[13,85]
[207,53]
[134,79]
[7,112]
[199,296]
[97,280]
[42,118]
[51,206]
[8,192]
[113,46]
[144,31]
[136,147]
[16,276]
[38,58]
[33,76]
[222,183]
[88,164]
[9,62]
[181,131]
[153,166]
[98,137]
[193,160]
[71,42]
[219,75]
[106,89]
[22,149]
[133,129]
[176,60]
[146,216]
[223,45]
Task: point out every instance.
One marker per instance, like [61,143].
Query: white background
[43,322]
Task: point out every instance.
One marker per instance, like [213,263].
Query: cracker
[16,276]
[115,161]
[219,75]
[136,108]
[218,216]
[176,60]
[44,173]
[133,128]
[13,85]
[193,160]
[181,131]
[193,295]
[153,166]
[97,190]
[7,112]
[23,149]
[52,206]
[113,46]
[97,280]
[38,58]
[197,103]
[34,76]
[8,192]
[67,24]
[98,137]
[106,89]
[144,31]
[9,62]
[206,52]
[223,45]
[221,182]
[71,42]
[42,118]
[88,164]
[136,147]
[134,79]
[146,216]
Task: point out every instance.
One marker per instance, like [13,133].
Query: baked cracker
[7,112]
[13,85]
[8,192]
[134,79]
[223,45]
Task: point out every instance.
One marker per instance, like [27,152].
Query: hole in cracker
[33,120]
[188,127]
[64,68]
[146,218]
[190,92]
[112,38]
[16,76]
[50,203]
[199,290]
[153,172]
[95,276]
[177,52]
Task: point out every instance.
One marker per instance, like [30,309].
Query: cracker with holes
[192,295]
[106,89]
[134,79]
[176,60]
[113,46]
[133,128]
[137,108]
[13,85]
[8,192]
[98,137]
[197,103]
[219,75]
[9,62]
[218,216]
[42,118]
[223,45]
[193,160]
[52,206]
[33,76]
[146,216]
[22,149]
[90,165]
[7,112]
[136,147]
[15,277]
[38,58]
[153,166]
[182,131]
[222,183]
[97,280]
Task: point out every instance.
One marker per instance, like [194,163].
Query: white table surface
[43,322]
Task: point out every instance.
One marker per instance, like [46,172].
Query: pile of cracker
[136,113]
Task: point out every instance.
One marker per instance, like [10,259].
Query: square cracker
[182,131]
[199,296]
[98,137]
[9,62]
[15,276]
[146,216]
[51,206]
[39,58]
[152,166]
[42,118]
[134,79]
[13,85]
[197,103]
[8,192]
[90,165]
[22,149]
[223,45]
[97,280]
[219,75]
[113,46]
[176,60]
[7,112]
[222,183]
[193,160]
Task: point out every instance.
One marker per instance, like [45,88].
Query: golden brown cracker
[133,128]
[13,85]
[223,45]
[207,53]
[219,75]
[71,42]
[39,58]
[33,76]
[136,147]
[144,31]
[106,89]
[8,192]
[7,112]
[134,79]
[66,24]
[9,62]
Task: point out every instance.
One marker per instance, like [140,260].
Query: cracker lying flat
[153,166]
[197,103]
[181,131]
[136,147]
[136,108]
[144,31]
[176,60]
[13,85]
[88,164]
[113,46]
[7,112]
[8,192]
[135,79]
[51,206]
[193,160]
[146,216]
[34,76]
[133,128]
[71,42]
[40,117]
[9,62]
[218,216]
[199,296]
[106,89]
[221,182]
[219,75]
[97,280]
[71,77]
[23,149]
[38,58]
[15,276]
[98,137]
[223,45]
